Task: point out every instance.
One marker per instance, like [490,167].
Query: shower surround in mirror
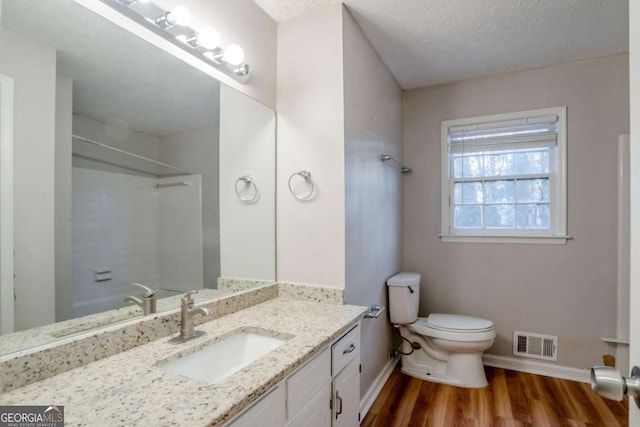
[92,218]
[123,224]
[135,220]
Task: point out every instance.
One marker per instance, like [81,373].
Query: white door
[634,299]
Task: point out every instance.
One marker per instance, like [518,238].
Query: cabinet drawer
[307,381]
[345,350]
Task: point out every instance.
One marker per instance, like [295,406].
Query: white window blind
[510,134]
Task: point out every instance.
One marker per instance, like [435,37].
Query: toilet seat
[454,327]
[458,323]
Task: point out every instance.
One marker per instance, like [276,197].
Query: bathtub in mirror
[129,166]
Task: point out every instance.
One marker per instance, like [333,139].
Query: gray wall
[373,190]
[33,67]
[569,291]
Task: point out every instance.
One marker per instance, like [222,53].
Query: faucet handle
[148,292]
[186,299]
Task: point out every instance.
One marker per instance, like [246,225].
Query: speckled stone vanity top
[128,389]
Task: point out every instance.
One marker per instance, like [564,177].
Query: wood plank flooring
[512,399]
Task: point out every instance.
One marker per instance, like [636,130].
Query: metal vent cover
[537,346]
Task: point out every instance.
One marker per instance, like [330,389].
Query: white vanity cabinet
[324,392]
[268,411]
[309,391]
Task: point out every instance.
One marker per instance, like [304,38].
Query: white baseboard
[535,367]
[370,396]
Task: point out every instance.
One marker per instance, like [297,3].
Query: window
[504,177]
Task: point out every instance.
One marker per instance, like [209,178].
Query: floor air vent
[537,346]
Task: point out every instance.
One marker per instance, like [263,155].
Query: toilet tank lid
[404,279]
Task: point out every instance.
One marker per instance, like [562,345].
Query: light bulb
[179,16]
[209,38]
[233,55]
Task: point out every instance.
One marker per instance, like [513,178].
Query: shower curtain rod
[137,156]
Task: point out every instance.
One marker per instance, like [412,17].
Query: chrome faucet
[148,301]
[188,312]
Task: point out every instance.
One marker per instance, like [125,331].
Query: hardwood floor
[512,399]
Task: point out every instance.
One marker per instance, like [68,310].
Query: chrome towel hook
[307,177]
[248,182]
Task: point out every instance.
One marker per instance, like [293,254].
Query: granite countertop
[129,389]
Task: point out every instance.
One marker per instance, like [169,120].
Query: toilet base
[457,363]
[467,366]
[432,376]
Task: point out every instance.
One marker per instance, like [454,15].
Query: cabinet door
[268,411]
[307,381]
[346,396]
[317,413]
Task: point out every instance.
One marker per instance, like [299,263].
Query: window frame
[557,233]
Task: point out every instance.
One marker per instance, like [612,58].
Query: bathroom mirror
[130,166]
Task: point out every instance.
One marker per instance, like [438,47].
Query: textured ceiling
[117,77]
[429,42]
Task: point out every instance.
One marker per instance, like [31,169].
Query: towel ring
[248,182]
[307,177]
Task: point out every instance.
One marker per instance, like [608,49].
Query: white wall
[33,67]
[63,251]
[373,126]
[311,234]
[634,52]
[247,147]
[569,291]
[197,151]
[180,246]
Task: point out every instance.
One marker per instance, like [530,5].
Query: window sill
[537,240]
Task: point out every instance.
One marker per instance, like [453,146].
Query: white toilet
[451,345]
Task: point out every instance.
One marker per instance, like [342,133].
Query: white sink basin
[222,358]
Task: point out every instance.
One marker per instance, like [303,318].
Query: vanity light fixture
[174,26]
[178,16]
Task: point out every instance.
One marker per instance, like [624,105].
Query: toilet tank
[404,298]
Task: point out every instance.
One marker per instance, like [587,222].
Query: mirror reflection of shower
[135,218]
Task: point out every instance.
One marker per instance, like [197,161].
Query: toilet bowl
[450,345]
